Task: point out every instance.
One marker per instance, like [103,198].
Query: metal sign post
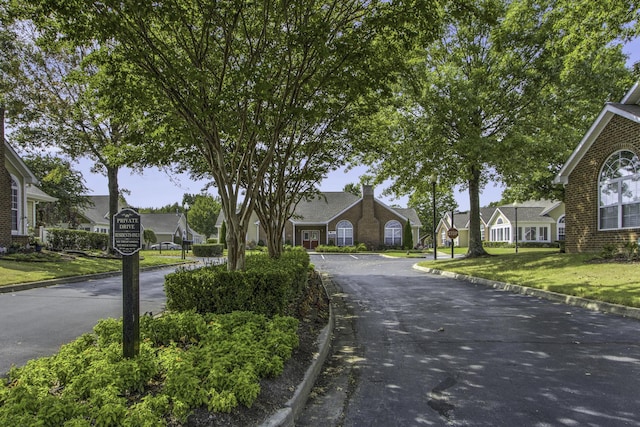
[127,240]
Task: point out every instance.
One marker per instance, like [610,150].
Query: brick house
[342,219]
[18,198]
[601,179]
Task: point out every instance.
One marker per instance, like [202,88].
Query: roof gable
[18,164]
[627,108]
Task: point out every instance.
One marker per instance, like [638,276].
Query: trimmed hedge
[61,238]
[266,286]
[360,247]
[207,250]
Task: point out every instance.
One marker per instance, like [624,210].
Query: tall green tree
[422,201]
[502,94]
[58,179]
[239,76]
[81,101]
[222,238]
[203,214]
[407,236]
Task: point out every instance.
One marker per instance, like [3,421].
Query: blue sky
[155,188]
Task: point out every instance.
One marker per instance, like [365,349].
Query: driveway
[38,321]
[415,349]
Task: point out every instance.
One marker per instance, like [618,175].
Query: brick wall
[581,192]
[5,194]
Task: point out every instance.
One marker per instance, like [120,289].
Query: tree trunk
[114,195]
[475,237]
[236,247]
[274,244]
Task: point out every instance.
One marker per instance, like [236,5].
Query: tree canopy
[502,94]
[240,78]
[58,179]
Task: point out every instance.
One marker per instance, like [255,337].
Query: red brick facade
[367,217]
[5,195]
[581,192]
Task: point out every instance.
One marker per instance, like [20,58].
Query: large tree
[58,179]
[503,93]
[203,214]
[81,101]
[237,74]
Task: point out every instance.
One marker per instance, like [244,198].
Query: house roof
[529,211]
[12,157]
[408,213]
[35,193]
[525,214]
[97,212]
[628,108]
[161,223]
[323,206]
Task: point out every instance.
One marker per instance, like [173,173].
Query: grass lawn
[572,274]
[12,272]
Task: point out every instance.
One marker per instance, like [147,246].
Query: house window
[530,233]
[344,233]
[619,191]
[561,229]
[393,233]
[501,232]
[14,206]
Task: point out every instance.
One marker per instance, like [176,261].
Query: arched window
[15,206]
[619,191]
[393,233]
[344,231]
[561,229]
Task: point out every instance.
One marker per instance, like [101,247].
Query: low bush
[61,239]
[360,247]
[266,286]
[208,250]
[186,361]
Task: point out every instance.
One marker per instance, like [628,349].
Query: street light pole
[185,237]
[434,181]
[515,205]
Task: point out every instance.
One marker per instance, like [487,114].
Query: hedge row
[266,286]
[208,250]
[61,238]
[360,247]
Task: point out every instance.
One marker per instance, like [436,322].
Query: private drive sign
[127,232]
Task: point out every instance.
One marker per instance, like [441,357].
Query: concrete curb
[589,304]
[286,416]
[74,279]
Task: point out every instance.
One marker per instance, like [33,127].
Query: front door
[310,239]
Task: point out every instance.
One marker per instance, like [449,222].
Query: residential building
[602,180]
[537,221]
[342,219]
[19,196]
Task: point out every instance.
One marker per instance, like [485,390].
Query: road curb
[589,304]
[74,279]
[286,416]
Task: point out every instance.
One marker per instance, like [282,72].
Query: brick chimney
[368,226]
[5,191]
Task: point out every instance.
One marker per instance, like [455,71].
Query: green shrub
[208,250]
[360,247]
[61,239]
[215,361]
[266,286]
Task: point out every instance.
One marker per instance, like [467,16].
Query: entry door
[310,239]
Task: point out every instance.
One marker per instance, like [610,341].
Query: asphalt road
[37,322]
[415,349]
